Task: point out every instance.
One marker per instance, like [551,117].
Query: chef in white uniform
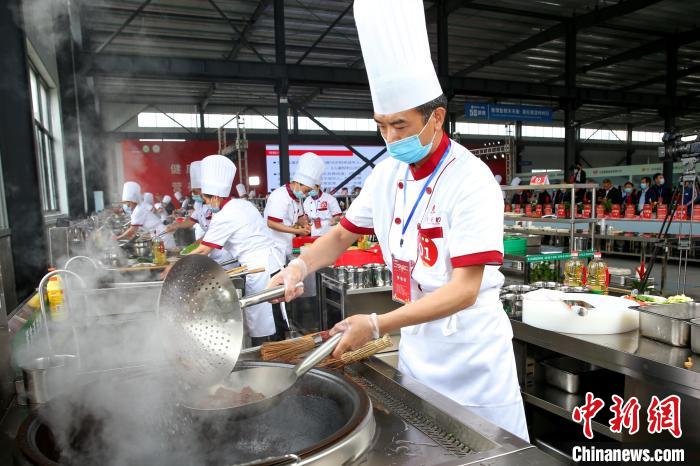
[238,228]
[148,201]
[323,211]
[142,219]
[438,214]
[284,206]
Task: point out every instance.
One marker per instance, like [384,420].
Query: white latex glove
[289,277]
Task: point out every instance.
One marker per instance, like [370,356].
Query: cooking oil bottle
[574,271]
[598,276]
[158,250]
[54,293]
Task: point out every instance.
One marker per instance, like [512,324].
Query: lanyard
[422,191]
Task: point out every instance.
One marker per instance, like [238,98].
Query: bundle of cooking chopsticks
[292,350]
[243,270]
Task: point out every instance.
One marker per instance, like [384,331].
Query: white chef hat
[498,179]
[178,195]
[217,175]
[396,52]
[240,189]
[515,181]
[158,206]
[196,175]
[309,170]
[167,199]
[131,192]
[148,198]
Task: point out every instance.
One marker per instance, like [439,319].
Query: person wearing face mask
[238,228]
[647,195]
[284,206]
[142,219]
[662,191]
[322,210]
[629,197]
[168,204]
[148,201]
[437,213]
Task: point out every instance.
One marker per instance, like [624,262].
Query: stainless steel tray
[695,336]
[668,323]
[566,373]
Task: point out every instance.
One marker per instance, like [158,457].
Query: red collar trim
[290,192]
[429,166]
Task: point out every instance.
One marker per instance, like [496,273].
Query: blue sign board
[507,112]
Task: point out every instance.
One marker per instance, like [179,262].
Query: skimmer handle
[317,355]
[265,296]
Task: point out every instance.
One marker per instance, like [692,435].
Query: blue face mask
[628,190]
[197,198]
[126,209]
[313,193]
[300,195]
[410,149]
[643,186]
[215,209]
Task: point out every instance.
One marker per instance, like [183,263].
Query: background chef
[238,228]
[141,218]
[284,206]
[438,214]
[322,211]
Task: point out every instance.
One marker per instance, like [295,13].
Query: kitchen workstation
[349,232]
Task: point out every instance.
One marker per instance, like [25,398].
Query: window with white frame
[45,140]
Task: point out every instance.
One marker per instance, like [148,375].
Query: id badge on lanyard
[401,276]
[401,269]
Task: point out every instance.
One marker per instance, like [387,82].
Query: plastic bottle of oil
[574,271]
[598,276]
[158,250]
[54,293]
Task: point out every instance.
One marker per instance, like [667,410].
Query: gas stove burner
[325,417]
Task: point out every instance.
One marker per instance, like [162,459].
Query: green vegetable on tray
[189,248]
[543,272]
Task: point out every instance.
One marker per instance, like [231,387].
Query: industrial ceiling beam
[432,14]
[325,33]
[336,77]
[122,27]
[580,22]
[248,28]
[661,78]
[241,37]
[603,116]
[655,46]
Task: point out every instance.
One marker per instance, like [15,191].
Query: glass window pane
[35,95]
[45,114]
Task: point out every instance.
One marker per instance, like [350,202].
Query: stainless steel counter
[414,425]
[626,353]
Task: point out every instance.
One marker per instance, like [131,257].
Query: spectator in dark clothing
[629,196]
[647,194]
[578,175]
[520,198]
[662,191]
[544,198]
[610,192]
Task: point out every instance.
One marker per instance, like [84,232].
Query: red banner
[629,211]
[548,209]
[561,211]
[528,210]
[615,211]
[646,212]
[661,211]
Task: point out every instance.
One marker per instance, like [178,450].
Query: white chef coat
[467,356]
[147,220]
[283,207]
[240,230]
[202,216]
[324,208]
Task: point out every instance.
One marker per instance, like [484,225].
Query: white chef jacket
[145,219]
[324,207]
[467,356]
[283,207]
[239,229]
[201,216]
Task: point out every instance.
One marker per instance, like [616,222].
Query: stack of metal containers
[368,276]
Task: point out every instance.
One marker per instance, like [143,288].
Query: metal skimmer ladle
[204,318]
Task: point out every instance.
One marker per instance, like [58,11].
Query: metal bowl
[573,289]
[512,304]
[546,285]
[519,288]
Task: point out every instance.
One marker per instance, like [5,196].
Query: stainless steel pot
[43,376]
[141,247]
[668,323]
[512,304]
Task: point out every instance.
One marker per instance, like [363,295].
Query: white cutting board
[610,314]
